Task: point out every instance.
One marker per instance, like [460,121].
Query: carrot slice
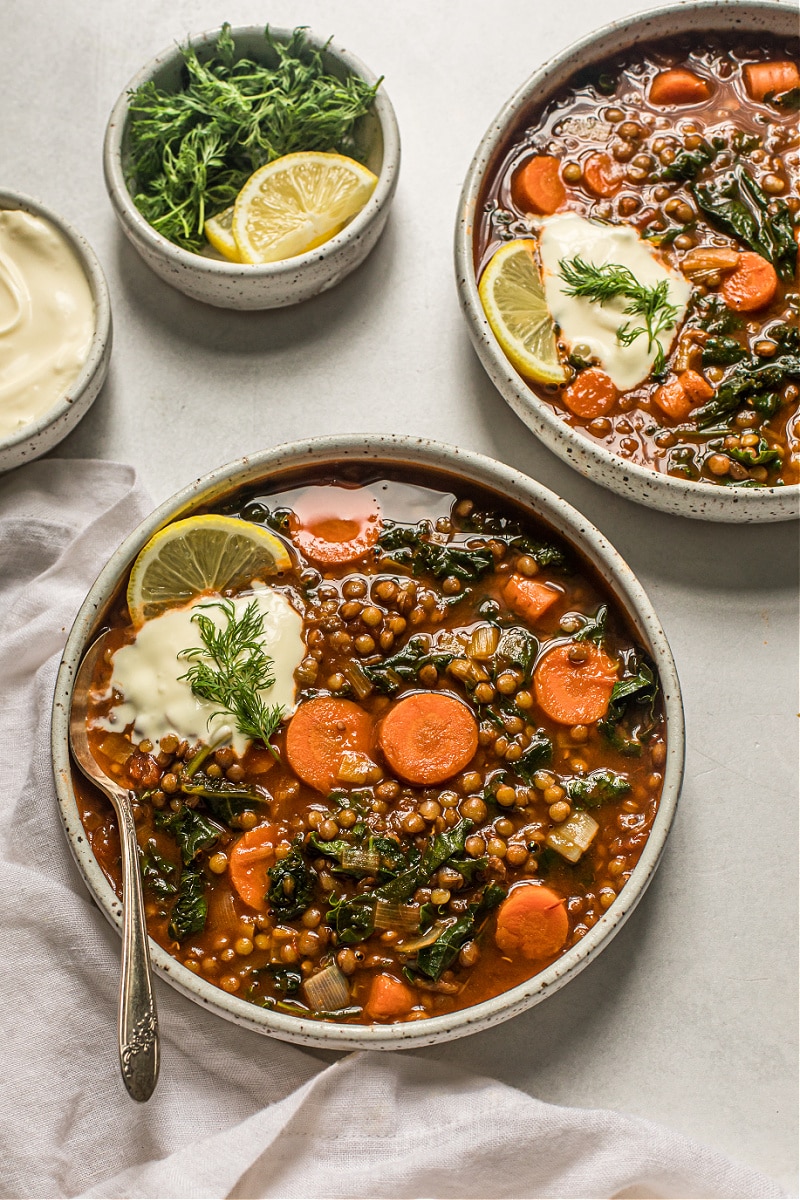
[764,78]
[591,394]
[695,387]
[575,691]
[528,598]
[538,185]
[428,736]
[673,400]
[751,285]
[334,525]
[249,860]
[679,86]
[320,733]
[388,998]
[602,174]
[532,922]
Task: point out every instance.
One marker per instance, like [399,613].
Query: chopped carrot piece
[532,922]
[335,525]
[751,285]
[602,174]
[764,79]
[679,86]
[320,733]
[572,688]
[528,598]
[428,737]
[538,185]
[249,860]
[388,998]
[672,399]
[591,394]
[696,388]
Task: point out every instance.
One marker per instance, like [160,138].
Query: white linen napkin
[234,1114]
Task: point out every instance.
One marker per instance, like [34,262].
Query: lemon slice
[297,202]
[512,296]
[219,232]
[197,555]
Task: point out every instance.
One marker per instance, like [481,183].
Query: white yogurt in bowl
[55,329]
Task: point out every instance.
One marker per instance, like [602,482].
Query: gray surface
[690,1017]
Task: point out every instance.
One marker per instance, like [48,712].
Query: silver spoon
[138,1020]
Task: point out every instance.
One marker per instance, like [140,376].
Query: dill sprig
[192,151]
[613,281]
[231,669]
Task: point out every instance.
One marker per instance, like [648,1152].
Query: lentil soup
[686,152]
[462,783]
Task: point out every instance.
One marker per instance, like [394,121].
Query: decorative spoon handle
[138,1020]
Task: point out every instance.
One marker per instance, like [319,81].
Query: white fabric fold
[234,1114]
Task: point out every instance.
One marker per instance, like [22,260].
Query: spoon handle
[138,1020]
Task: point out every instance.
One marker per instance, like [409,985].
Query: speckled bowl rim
[101,341]
[635,482]
[385,452]
[187,260]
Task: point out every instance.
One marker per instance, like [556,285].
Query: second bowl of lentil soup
[627,258]
[419,747]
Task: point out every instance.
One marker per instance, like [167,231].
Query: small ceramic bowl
[329,458]
[705,501]
[270,285]
[37,437]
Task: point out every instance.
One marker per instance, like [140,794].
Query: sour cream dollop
[47,318]
[157,701]
[584,321]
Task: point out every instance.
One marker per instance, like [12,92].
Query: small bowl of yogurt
[55,328]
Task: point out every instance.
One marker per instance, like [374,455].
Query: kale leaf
[518,648]
[588,791]
[389,675]
[755,456]
[193,831]
[753,381]
[431,961]
[594,628]
[226,800]
[722,352]
[638,688]
[157,872]
[737,206]
[190,909]
[291,883]
[536,755]
[689,163]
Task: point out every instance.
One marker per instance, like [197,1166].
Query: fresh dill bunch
[191,151]
[231,669]
[613,281]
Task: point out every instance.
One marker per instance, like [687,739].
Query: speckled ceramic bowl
[331,455]
[37,437]
[701,500]
[271,285]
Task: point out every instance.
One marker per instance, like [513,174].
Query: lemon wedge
[296,203]
[219,231]
[200,554]
[512,295]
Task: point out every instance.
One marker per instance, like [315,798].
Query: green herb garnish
[231,669]
[612,281]
[191,151]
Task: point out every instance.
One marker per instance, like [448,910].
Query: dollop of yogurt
[586,322]
[147,673]
[47,318]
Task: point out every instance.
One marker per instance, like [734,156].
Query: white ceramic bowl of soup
[223,284]
[701,500]
[331,457]
[31,428]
